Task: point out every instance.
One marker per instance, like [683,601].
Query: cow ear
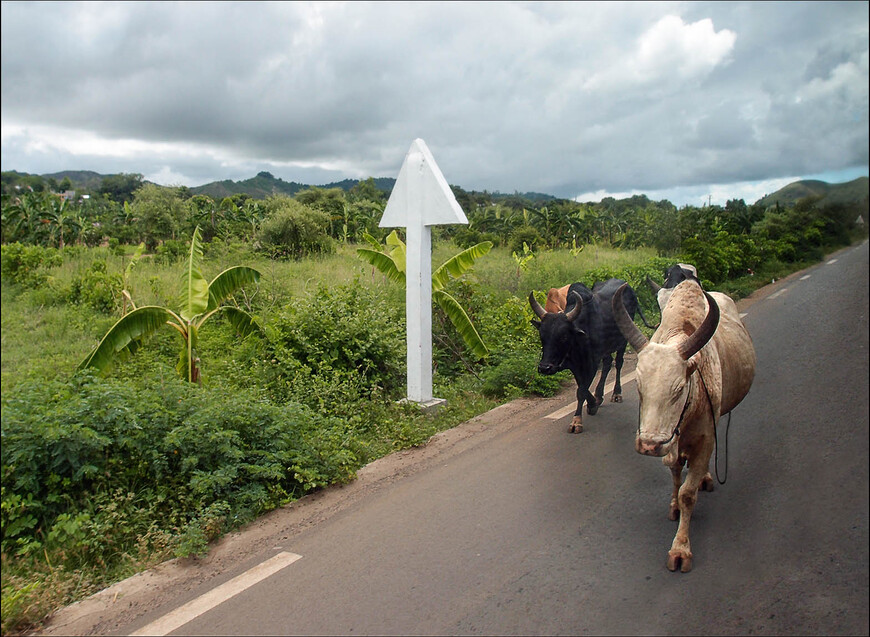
[536,323]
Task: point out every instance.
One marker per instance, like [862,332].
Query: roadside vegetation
[108,469]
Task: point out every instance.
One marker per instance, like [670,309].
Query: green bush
[171,457]
[28,265]
[525,234]
[337,345]
[517,374]
[292,230]
[97,288]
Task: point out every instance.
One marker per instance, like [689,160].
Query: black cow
[584,338]
[674,275]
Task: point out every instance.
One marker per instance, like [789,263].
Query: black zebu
[584,338]
[674,275]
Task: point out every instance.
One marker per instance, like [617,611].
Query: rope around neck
[716,433]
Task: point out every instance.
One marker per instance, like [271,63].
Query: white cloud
[670,52]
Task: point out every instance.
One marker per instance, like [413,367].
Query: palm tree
[390,260]
[201,301]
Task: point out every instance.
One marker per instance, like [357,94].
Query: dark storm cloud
[565,98]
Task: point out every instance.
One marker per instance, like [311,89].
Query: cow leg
[616,397]
[606,363]
[675,464]
[680,554]
[577,422]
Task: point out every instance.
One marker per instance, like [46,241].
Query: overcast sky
[577,99]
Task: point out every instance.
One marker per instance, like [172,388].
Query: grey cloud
[500,91]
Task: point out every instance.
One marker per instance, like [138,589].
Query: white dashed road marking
[217,596]
[832,261]
[776,294]
[805,277]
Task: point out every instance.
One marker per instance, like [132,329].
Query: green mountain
[265,184]
[855,190]
[81,179]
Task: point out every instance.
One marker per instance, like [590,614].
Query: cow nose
[546,368]
[648,447]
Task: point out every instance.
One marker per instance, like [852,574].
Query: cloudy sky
[682,101]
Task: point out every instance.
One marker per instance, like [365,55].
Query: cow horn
[655,286]
[704,333]
[578,307]
[629,330]
[536,307]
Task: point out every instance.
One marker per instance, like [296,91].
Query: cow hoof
[616,398]
[576,427]
[707,483]
[593,409]
[679,559]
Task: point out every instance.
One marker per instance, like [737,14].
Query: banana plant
[390,260]
[200,300]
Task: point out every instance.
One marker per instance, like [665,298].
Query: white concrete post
[420,199]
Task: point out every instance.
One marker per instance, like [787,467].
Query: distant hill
[266,184]
[855,190]
[81,179]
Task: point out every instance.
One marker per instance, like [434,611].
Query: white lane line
[570,409]
[217,596]
[805,277]
[776,294]
[832,261]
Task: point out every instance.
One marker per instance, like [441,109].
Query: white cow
[699,365]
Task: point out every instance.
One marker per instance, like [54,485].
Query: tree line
[723,241]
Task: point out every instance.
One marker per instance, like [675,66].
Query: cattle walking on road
[583,338]
[698,366]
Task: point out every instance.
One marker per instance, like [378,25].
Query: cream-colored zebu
[699,365]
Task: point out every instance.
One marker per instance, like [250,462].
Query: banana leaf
[195,297]
[383,263]
[464,327]
[243,322]
[126,335]
[228,282]
[459,264]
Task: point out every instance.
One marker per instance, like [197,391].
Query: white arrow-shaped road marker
[421,198]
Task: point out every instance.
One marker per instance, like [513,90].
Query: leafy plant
[200,301]
[390,259]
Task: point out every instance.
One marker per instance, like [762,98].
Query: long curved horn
[704,333]
[629,330]
[578,307]
[536,307]
[655,286]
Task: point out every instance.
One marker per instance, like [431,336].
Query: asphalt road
[510,525]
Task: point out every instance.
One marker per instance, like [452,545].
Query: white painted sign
[421,198]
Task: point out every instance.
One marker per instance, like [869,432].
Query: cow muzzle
[547,368]
[656,447]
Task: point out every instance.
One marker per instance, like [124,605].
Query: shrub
[97,288]
[525,234]
[292,230]
[337,343]
[517,374]
[28,265]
